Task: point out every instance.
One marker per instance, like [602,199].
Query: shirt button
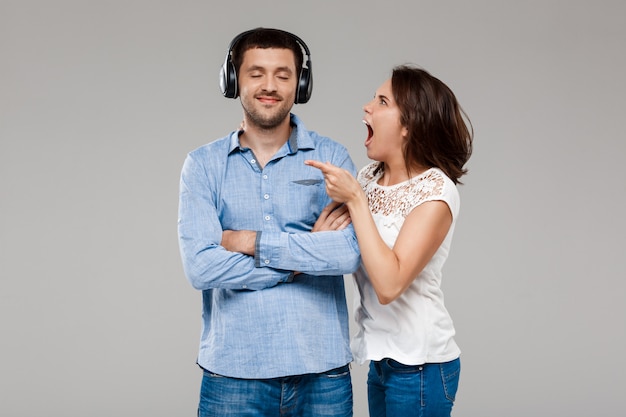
[266,196]
[265,176]
[253,161]
[244,286]
[267,217]
[267,261]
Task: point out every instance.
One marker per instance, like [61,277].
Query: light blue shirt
[259,320]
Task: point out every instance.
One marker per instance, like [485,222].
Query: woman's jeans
[397,390]
[310,395]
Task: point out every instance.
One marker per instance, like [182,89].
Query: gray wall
[101,100]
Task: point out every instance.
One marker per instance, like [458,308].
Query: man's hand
[335,216]
[241,241]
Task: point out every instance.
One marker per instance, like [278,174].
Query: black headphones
[228,73]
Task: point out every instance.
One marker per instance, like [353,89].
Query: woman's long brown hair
[438,135]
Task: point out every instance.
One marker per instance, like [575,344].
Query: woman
[404,208]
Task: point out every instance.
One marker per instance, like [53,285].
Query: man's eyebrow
[261,68]
[284,69]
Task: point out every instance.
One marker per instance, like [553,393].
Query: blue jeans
[310,395]
[397,390]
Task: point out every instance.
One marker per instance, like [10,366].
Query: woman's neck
[397,173]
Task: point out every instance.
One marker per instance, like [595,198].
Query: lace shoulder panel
[400,199]
[368,174]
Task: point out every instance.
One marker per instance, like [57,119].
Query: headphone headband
[248,32]
[228,72]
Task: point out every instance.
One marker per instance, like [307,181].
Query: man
[256,238]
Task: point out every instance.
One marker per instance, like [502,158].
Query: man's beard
[263,121]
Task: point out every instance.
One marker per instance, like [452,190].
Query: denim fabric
[259,321]
[397,390]
[311,395]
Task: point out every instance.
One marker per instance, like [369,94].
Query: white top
[415,328]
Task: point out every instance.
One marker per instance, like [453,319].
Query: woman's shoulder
[434,181]
[369,173]
[433,184]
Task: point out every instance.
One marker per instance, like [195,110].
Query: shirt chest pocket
[306,201]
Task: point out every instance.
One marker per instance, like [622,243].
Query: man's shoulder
[322,140]
[324,143]
[213,147]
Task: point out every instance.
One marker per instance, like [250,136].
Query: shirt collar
[299,139]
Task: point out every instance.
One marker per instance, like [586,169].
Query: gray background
[101,100]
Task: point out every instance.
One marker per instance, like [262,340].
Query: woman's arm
[391,270]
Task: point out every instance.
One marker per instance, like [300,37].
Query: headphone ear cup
[305,85]
[228,79]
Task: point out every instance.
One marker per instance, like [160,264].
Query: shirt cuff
[264,252]
[263,258]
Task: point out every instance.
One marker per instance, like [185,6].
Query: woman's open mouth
[370,132]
